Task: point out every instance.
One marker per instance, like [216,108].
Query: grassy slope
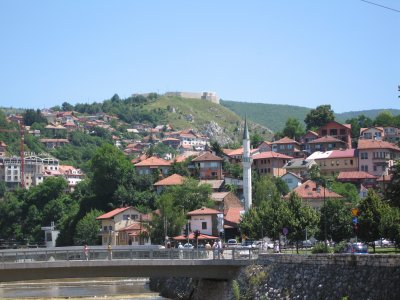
[203,112]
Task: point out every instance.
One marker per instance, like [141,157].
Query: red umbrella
[191,237]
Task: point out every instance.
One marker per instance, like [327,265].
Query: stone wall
[281,276]
[322,277]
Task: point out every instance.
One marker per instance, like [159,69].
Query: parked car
[382,243]
[231,243]
[356,248]
[306,244]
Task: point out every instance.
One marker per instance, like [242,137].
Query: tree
[87,229]
[255,140]
[357,123]
[384,118]
[302,219]
[67,107]
[31,116]
[110,169]
[337,219]
[293,129]
[372,209]
[168,221]
[264,189]
[390,225]
[319,117]
[347,190]
[190,195]
[216,147]
[393,188]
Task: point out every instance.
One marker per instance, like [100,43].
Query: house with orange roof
[206,220]
[149,165]
[124,226]
[287,146]
[209,166]
[372,133]
[305,139]
[174,179]
[326,143]
[392,134]
[376,157]
[335,161]
[337,130]
[72,175]
[172,142]
[232,217]
[358,178]
[270,163]
[313,195]
[235,156]
[265,146]
[225,200]
[54,143]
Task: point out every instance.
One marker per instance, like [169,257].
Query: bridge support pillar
[211,289]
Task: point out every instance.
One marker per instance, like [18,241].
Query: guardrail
[122,253]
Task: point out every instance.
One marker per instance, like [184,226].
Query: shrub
[320,248]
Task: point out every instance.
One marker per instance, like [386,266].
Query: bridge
[123,261]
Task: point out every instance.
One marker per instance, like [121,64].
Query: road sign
[285,231]
[355,220]
[354,212]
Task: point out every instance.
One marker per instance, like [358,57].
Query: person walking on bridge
[86,251]
[109,248]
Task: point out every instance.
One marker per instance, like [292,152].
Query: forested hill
[274,116]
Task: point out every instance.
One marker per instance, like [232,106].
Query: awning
[191,237]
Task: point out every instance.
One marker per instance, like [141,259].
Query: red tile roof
[326,139]
[342,153]
[153,161]
[174,179]
[112,213]
[208,156]
[271,154]
[203,211]
[355,175]
[233,214]
[285,140]
[365,129]
[308,190]
[375,144]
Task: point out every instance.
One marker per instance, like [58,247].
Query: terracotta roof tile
[203,211]
[355,175]
[174,179]
[271,154]
[153,161]
[208,156]
[285,140]
[326,139]
[375,144]
[308,190]
[112,213]
[233,214]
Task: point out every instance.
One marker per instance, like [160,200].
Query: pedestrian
[276,247]
[109,248]
[86,251]
[208,249]
[180,247]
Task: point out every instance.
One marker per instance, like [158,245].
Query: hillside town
[329,149]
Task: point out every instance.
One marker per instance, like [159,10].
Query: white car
[382,243]
[231,243]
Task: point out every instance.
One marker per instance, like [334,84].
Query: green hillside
[372,113]
[273,116]
[184,113]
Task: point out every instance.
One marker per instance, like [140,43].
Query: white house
[292,180]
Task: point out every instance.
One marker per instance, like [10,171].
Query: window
[364,155]
[364,168]
[342,131]
[290,146]
[351,162]
[324,132]
[375,168]
[333,132]
[203,225]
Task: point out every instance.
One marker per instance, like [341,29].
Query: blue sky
[299,52]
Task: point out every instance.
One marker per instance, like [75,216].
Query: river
[90,288]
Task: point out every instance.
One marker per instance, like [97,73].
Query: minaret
[246,161]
